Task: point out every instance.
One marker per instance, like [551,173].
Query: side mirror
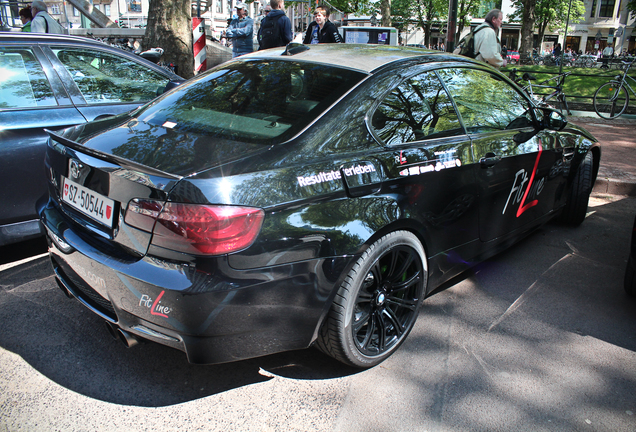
[168,87]
[554,120]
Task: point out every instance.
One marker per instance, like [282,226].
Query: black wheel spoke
[415,278]
[403,303]
[381,332]
[364,297]
[361,322]
[370,331]
[397,273]
[395,321]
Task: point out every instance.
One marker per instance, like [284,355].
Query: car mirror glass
[554,120]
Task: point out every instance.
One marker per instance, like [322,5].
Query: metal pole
[565,38]
[452,25]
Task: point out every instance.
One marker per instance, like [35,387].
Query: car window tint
[417,109]
[252,101]
[107,78]
[23,83]
[485,102]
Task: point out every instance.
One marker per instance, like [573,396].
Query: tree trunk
[170,27]
[527,25]
[542,28]
[385,10]
[427,34]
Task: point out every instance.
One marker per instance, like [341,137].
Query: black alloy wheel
[377,305]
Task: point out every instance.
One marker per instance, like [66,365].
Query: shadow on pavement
[69,345]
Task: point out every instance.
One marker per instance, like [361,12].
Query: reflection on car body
[55,81]
[282,201]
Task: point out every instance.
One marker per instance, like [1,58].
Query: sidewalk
[617,173]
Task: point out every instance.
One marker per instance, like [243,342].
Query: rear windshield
[252,101]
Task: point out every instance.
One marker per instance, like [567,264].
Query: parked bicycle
[555,99]
[611,99]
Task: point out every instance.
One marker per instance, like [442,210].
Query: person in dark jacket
[321,30]
[276,28]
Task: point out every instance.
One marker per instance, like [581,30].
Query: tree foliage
[421,14]
[465,10]
[631,6]
[550,14]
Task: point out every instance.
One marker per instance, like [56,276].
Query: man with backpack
[487,45]
[276,28]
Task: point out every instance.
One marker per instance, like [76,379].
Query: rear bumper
[213,313]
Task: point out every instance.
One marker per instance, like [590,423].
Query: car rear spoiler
[111,158]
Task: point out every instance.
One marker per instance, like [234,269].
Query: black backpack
[466,46]
[269,35]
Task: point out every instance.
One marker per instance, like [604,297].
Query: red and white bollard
[198,36]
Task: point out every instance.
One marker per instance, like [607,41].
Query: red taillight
[195,228]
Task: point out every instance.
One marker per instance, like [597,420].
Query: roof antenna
[295,48]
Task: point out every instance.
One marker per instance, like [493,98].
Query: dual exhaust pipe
[123,336]
[116,332]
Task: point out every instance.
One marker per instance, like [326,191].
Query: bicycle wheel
[610,100]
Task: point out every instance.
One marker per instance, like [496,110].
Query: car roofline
[366,58]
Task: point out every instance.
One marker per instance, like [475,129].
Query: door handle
[489,160]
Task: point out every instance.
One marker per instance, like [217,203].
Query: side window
[23,83]
[106,78]
[417,109]
[484,102]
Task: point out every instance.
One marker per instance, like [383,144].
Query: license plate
[88,202]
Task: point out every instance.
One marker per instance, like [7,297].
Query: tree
[170,27]
[465,10]
[385,11]
[631,7]
[421,13]
[551,14]
[527,28]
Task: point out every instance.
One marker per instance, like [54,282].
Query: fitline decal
[332,175]
[517,192]
[156,308]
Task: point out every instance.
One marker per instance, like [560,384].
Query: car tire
[630,279]
[576,206]
[377,304]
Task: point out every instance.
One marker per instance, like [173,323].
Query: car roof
[45,37]
[366,58]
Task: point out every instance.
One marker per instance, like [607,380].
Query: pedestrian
[42,22]
[276,28]
[26,17]
[557,53]
[608,51]
[240,31]
[487,43]
[321,30]
[259,20]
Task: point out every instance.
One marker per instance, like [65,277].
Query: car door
[519,166]
[432,160]
[32,98]
[104,83]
